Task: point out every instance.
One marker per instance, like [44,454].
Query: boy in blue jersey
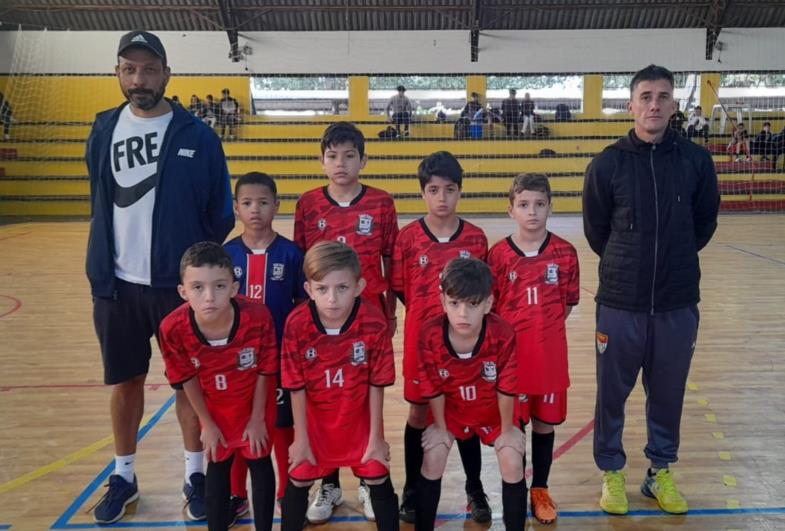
[268,267]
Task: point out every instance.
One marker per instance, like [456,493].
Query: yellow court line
[62,463]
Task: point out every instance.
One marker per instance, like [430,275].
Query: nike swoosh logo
[125,197]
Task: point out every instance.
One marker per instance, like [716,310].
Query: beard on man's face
[144,99]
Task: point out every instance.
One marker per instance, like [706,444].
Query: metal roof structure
[474,16]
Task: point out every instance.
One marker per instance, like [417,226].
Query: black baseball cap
[142,39]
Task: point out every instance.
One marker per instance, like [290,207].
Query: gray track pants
[662,345]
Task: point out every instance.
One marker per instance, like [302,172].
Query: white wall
[407,52]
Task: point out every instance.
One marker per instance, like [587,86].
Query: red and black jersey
[469,385]
[227,374]
[368,225]
[532,294]
[336,371]
[418,260]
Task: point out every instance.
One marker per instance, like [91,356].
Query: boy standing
[468,374]
[363,218]
[269,268]
[421,251]
[221,348]
[536,284]
[337,359]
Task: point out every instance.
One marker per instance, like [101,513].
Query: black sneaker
[193,494]
[478,506]
[238,507]
[406,514]
[111,507]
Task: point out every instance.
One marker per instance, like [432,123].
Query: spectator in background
[763,144]
[677,120]
[697,125]
[399,111]
[511,114]
[176,99]
[211,111]
[229,114]
[472,106]
[527,114]
[196,107]
[6,116]
[740,142]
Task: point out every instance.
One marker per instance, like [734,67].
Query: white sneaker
[364,497]
[327,498]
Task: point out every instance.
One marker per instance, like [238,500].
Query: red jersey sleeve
[390,231]
[382,362]
[268,347]
[573,282]
[179,367]
[430,381]
[299,225]
[497,272]
[291,368]
[507,382]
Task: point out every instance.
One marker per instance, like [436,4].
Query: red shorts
[487,434]
[244,449]
[412,392]
[550,408]
[373,469]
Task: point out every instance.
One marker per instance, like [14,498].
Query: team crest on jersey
[238,271]
[322,224]
[602,342]
[423,261]
[552,274]
[489,371]
[365,224]
[358,353]
[246,359]
[512,276]
[463,253]
[195,363]
[277,272]
[444,373]
[310,354]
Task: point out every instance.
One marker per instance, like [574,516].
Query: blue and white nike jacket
[193,198]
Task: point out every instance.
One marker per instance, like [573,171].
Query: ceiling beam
[714,22]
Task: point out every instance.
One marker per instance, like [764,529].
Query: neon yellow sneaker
[662,488]
[614,497]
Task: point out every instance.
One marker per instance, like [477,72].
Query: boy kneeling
[336,360]
[468,374]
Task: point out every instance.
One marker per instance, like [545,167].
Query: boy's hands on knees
[256,435]
[300,452]
[379,450]
[511,438]
[211,437]
[434,435]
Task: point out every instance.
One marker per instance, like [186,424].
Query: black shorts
[125,324]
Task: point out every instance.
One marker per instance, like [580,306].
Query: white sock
[124,466]
[194,462]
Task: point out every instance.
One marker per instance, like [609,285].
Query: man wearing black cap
[399,109]
[159,183]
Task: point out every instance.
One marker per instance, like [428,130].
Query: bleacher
[48,179]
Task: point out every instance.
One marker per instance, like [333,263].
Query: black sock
[542,457]
[217,491]
[514,505]
[472,463]
[428,493]
[412,456]
[293,507]
[333,478]
[385,506]
[263,492]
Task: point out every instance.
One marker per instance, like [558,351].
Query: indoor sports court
[297,67]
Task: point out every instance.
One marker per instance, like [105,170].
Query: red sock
[282,440]
[239,476]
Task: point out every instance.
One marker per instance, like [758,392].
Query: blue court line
[762,256]
[5,526]
[62,522]
[459,516]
